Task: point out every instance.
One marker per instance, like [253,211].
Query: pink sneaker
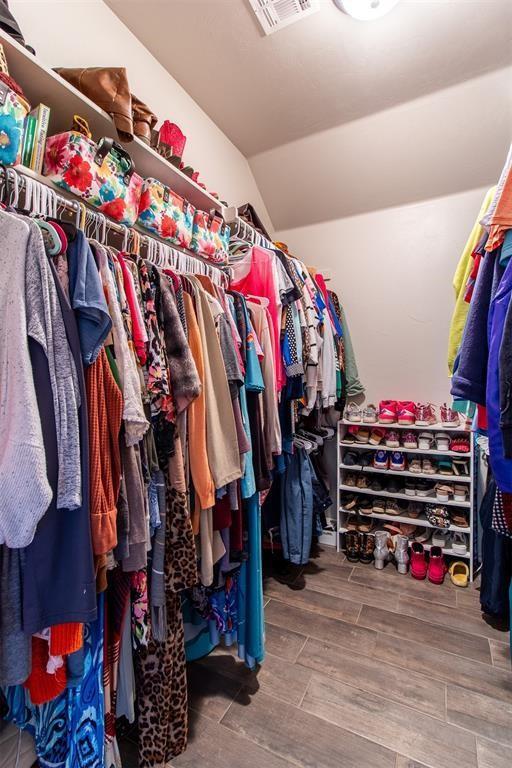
[387,411]
[436,566]
[406,411]
[425,415]
[418,561]
[449,418]
[409,440]
[392,439]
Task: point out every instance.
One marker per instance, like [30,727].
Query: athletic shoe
[406,411]
[410,440]
[449,417]
[397,461]
[425,415]
[352,413]
[381,460]
[387,411]
[392,439]
[370,414]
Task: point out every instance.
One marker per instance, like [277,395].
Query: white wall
[441,144]
[393,270]
[74,33]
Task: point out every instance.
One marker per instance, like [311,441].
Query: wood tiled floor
[364,669]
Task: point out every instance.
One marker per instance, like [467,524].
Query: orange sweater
[198,456]
[105,406]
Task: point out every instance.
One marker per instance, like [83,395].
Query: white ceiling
[325,70]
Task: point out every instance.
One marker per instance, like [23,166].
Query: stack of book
[34,140]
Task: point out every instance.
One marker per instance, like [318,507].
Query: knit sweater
[24,489]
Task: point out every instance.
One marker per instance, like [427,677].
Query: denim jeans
[297,508]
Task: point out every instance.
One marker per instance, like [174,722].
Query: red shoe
[387,411]
[418,561]
[437,568]
[406,411]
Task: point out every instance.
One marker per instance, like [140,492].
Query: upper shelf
[41,84]
[438,427]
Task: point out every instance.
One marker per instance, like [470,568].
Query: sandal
[415,465]
[425,441]
[442,441]
[461,467]
[437,515]
[459,573]
[460,520]
[460,444]
[443,492]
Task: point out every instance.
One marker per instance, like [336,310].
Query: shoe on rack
[353,546]
[370,414]
[449,417]
[460,467]
[443,491]
[425,441]
[410,487]
[362,481]
[423,536]
[366,458]
[387,411]
[376,436]
[362,435]
[460,492]
[367,548]
[460,444]
[364,506]
[376,484]
[422,488]
[394,485]
[403,507]
[350,479]
[445,467]
[349,437]
[437,568]
[460,519]
[415,465]
[365,524]
[442,441]
[428,467]
[348,500]
[351,459]
[437,515]
[418,561]
[402,553]
[353,413]
[425,415]
[397,462]
[409,440]
[381,460]
[392,439]
[392,507]
[441,538]
[460,542]
[415,509]
[381,551]
[379,506]
[406,412]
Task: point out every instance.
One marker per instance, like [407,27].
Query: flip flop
[459,573]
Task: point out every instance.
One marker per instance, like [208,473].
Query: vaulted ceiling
[323,71]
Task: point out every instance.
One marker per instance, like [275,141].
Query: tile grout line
[299,705]
[302,648]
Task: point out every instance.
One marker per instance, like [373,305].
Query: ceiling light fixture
[366,10]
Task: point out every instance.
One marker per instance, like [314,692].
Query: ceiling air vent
[276,14]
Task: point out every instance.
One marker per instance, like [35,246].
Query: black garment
[497,561]
[60,584]
[248,213]
[9,24]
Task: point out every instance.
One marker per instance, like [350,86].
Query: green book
[42,115]
[28,140]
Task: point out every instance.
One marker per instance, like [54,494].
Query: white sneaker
[370,414]
[353,413]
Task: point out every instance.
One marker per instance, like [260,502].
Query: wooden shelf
[406,473]
[41,84]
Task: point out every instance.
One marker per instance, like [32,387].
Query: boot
[367,547]
[402,553]
[144,120]
[436,566]
[353,546]
[418,561]
[108,88]
[381,551]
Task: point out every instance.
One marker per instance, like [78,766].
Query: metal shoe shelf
[421,522]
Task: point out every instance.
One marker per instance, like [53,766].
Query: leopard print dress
[160,667]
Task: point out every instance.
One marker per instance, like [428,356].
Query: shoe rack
[409,453]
